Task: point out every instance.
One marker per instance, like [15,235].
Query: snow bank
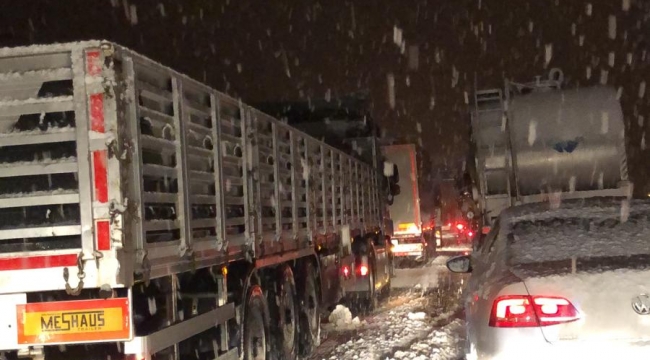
[389,331]
[341,318]
[420,279]
[445,343]
[416,316]
[440,260]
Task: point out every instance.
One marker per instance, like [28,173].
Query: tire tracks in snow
[444,341]
[389,330]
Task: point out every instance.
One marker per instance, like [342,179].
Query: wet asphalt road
[390,331]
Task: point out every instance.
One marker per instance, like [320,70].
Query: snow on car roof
[592,208]
[585,229]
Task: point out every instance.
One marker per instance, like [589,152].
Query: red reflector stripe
[93,65]
[97,113]
[38,262]
[100,176]
[103,235]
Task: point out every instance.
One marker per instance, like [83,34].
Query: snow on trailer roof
[49,48]
[80,45]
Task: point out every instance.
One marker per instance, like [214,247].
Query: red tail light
[363,270]
[460,226]
[470,234]
[530,311]
[346,271]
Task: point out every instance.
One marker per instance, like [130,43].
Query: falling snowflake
[603,76]
[604,122]
[532,132]
[548,53]
[390,78]
[625,5]
[642,89]
[611,27]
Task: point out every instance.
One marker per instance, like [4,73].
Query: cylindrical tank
[567,140]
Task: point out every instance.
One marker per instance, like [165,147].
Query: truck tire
[255,341]
[309,311]
[286,310]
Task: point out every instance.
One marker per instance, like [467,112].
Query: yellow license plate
[74,321]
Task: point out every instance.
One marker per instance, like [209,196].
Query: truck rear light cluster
[515,311]
[363,270]
[345,270]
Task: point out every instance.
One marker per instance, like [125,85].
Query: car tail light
[530,311]
[460,227]
[346,271]
[363,270]
[470,234]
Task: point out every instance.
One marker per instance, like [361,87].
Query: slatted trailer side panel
[121,178]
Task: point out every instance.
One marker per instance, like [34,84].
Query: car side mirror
[460,264]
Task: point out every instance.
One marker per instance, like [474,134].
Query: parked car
[561,282]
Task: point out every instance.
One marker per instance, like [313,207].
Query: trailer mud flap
[73,321]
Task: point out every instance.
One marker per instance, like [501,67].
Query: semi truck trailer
[536,142]
[145,215]
[408,241]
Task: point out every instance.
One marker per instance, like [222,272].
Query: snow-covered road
[421,320]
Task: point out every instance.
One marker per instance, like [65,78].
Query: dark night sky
[291,49]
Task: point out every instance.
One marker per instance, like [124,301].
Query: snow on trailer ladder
[489,116]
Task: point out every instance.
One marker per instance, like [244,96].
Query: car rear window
[555,239]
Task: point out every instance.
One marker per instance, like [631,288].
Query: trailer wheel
[287,311]
[256,326]
[309,311]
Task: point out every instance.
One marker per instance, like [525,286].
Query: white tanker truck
[537,142]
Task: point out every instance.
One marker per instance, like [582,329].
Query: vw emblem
[641,304]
